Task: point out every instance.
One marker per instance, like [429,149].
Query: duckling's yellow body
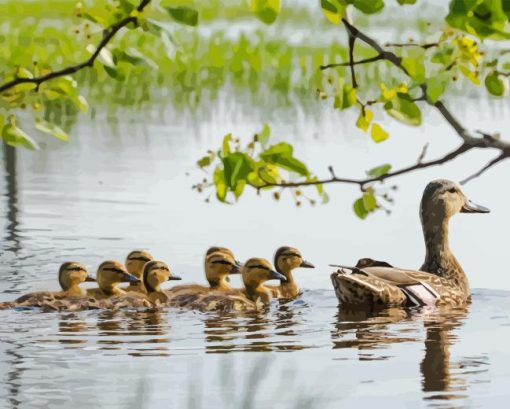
[70,276]
[441,280]
[134,266]
[219,263]
[286,260]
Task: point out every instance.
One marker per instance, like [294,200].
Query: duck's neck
[289,287]
[75,290]
[439,259]
[112,289]
[258,291]
[219,284]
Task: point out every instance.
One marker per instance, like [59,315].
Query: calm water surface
[117,187]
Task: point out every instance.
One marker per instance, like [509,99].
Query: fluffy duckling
[156,273]
[256,271]
[218,265]
[70,275]
[287,259]
[109,275]
[134,266]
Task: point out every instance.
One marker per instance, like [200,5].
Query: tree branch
[424,46]
[363,182]
[351,64]
[108,34]
[489,165]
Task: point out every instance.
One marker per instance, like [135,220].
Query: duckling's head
[136,260]
[71,274]
[111,273]
[287,259]
[218,265]
[257,271]
[442,199]
[155,273]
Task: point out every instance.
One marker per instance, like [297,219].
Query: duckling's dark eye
[222,262]
[452,190]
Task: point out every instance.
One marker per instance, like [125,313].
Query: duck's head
[218,265]
[256,271]
[442,199]
[72,274]
[287,259]
[155,273]
[110,273]
[136,260]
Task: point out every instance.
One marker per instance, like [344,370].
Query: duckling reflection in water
[219,263]
[441,281]
[286,260]
[70,275]
[134,266]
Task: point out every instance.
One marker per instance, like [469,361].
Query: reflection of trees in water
[371,330]
[12,237]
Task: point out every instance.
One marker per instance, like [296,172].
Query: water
[122,185]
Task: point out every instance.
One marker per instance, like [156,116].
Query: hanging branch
[108,35]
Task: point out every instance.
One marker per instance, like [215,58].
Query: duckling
[256,271]
[286,259]
[154,274]
[441,279]
[109,275]
[218,266]
[134,265]
[70,275]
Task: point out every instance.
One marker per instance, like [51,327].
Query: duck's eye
[452,190]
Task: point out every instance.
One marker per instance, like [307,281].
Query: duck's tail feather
[362,288]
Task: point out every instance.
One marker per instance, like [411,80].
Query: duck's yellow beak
[275,275]
[90,279]
[306,264]
[470,207]
[236,268]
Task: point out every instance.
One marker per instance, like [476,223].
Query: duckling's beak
[174,278]
[306,264]
[275,275]
[128,278]
[470,207]
[90,279]
[236,268]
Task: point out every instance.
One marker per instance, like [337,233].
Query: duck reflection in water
[72,329]
[372,330]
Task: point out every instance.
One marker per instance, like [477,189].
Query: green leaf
[236,167]
[364,119]
[14,136]
[205,161]
[226,144]
[183,15]
[415,66]
[406,2]
[404,110]
[263,136]
[281,154]
[221,185]
[436,86]
[496,84]
[334,10]
[368,6]
[359,209]
[266,10]
[51,129]
[346,97]
[369,201]
[379,170]
[378,134]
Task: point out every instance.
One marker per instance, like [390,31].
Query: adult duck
[286,260]
[441,279]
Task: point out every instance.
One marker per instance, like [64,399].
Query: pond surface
[120,186]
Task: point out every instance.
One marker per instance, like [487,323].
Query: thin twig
[489,165]
[108,34]
[349,64]
[424,46]
[352,40]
